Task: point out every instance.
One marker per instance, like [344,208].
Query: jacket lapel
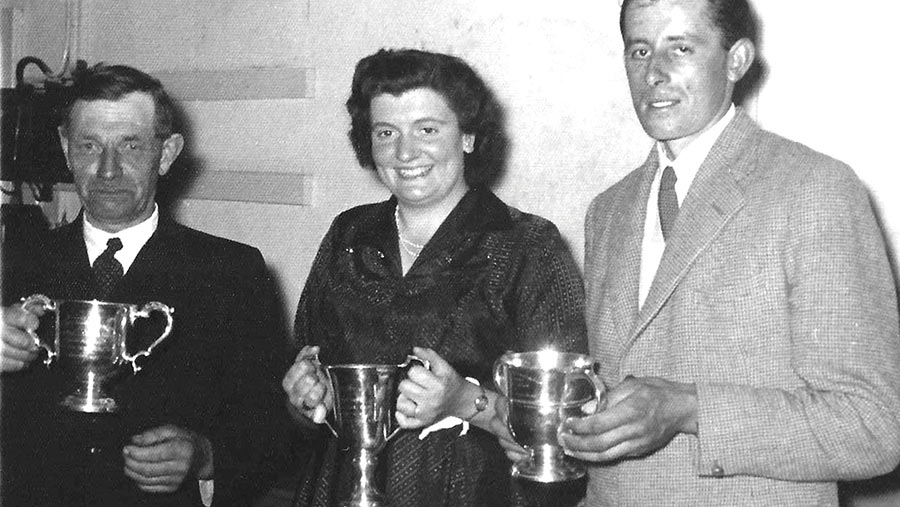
[479,212]
[158,261]
[154,253]
[715,196]
[68,263]
[626,251]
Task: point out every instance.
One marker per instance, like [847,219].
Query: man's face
[681,77]
[116,158]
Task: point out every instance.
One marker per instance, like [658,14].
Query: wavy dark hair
[475,106]
[112,82]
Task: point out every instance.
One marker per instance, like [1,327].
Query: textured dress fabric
[492,279]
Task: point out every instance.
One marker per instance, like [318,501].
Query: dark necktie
[668,201]
[107,270]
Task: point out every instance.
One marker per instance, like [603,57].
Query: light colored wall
[831,86]
[556,66]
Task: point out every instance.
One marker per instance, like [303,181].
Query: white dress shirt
[133,239]
[686,166]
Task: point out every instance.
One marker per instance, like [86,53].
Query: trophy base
[548,471]
[365,493]
[366,498]
[364,502]
[80,403]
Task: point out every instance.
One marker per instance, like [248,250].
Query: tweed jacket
[775,298]
[218,374]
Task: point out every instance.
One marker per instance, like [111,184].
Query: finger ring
[416,410]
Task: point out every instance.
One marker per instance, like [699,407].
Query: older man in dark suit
[204,418]
[739,295]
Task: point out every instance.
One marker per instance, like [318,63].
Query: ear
[740,58]
[171,148]
[468,143]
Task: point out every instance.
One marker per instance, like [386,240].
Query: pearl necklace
[411,248]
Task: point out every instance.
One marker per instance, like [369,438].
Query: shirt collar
[133,239]
[692,156]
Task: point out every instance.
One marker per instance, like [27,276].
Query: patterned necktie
[107,270]
[668,201]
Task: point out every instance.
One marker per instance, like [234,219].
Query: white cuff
[207,489]
[449,421]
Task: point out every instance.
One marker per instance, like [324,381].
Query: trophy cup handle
[500,375]
[144,312]
[49,305]
[315,359]
[593,376]
[410,358]
[330,427]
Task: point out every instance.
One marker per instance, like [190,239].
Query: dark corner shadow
[891,247]
[749,85]
[756,75]
[284,319]
[496,154]
[177,183]
[890,482]
[885,484]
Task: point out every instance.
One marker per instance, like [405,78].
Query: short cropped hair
[398,71]
[734,18]
[112,82]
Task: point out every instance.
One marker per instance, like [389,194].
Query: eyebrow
[427,119]
[96,138]
[687,37]
[633,41]
[431,119]
[690,37]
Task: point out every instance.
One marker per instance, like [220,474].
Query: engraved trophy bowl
[88,343]
[365,398]
[544,388]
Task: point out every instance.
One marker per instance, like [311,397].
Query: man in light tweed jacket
[747,325]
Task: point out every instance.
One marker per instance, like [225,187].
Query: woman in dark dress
[442,269]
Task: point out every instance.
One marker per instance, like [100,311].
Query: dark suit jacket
[217,374]
[774,296]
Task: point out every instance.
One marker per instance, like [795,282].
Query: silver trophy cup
[544,389]
[365,398]
[89,344]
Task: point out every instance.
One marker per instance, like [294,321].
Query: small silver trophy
[365,399]
[544,388]
[89,343]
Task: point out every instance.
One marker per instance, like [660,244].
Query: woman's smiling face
[418,147]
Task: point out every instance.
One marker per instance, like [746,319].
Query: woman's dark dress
[492,279]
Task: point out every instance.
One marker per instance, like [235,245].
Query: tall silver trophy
[545,388]
[88,342]
[365,399]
